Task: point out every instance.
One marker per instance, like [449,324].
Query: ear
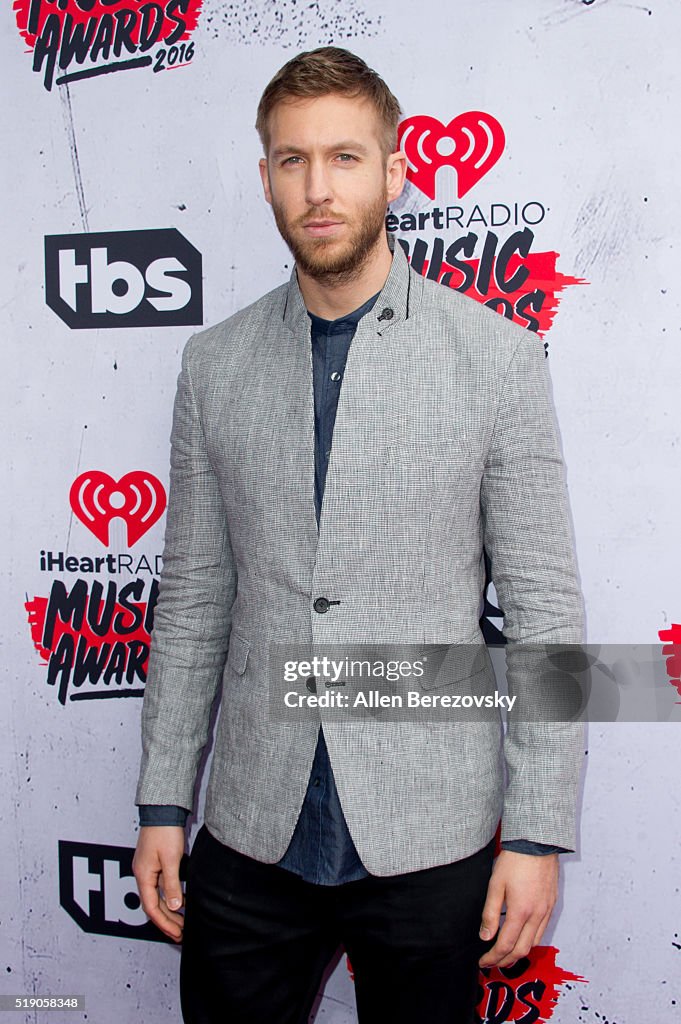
[265,176]
[395,174]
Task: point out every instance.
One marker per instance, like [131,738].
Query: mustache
[316,215]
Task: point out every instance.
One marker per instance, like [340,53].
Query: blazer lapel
[359,402]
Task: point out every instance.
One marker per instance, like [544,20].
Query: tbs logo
[97,889]
[124,279]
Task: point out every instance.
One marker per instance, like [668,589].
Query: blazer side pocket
[237,653]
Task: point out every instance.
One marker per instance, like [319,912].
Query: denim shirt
[321,848]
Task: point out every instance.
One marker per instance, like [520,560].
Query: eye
[290,160]
[346,157]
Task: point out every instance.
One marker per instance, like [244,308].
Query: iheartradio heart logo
[138,498]
[471,143]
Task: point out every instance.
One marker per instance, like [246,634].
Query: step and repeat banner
[542,140]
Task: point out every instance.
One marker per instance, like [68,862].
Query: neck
[338,295]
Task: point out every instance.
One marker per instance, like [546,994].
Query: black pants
[257,940]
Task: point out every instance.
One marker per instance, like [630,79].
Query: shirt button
[335,375]
[321,605]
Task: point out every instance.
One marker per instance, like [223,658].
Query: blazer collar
[392,306]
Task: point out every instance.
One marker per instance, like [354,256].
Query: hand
[156,867]
[529,886]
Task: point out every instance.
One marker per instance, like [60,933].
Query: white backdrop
[587,95]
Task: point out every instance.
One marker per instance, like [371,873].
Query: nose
[318,191]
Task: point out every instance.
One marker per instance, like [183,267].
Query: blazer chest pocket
[430,456]
[237,653]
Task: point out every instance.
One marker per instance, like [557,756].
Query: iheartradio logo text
[124,279]
[138,499]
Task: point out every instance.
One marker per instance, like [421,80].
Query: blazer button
[321,604]
[311,684]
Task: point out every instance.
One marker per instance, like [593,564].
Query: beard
[329,260]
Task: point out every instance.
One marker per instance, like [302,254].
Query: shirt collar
[393,305]
[342,323]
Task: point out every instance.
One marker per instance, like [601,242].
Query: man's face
[329,183]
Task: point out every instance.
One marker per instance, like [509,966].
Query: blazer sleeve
[528,536]
[192,618]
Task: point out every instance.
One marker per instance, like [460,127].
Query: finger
[147,886]
[171,915]
[491,912]
[172,918]
[523,945]
[543,924]
[163,918]
[506,940]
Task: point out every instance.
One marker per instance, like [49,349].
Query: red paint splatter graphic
[471,143]
[94,634]
[528,991]
[542,284]
[521,285]
[114,36]
[672,652]
[138,498]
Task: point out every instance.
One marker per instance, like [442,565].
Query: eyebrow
[346,144]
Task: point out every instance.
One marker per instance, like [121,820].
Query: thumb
[491,912]
[170,884]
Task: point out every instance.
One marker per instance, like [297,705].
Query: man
[377,836]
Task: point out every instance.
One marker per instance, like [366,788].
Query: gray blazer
[445,439]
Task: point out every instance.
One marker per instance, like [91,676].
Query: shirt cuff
[526,846]
[162,814]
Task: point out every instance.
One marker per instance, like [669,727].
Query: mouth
[321,228]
